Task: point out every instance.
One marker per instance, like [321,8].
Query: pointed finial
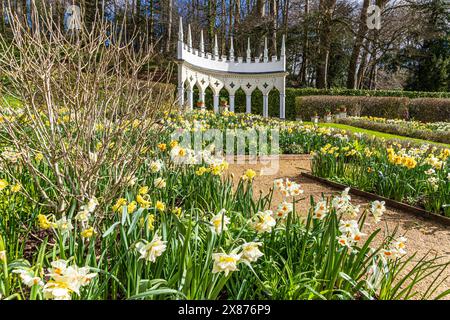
[216,47]
[231,49]
[283,46]
[249,52]
[266,51]
[180,32]
[189,36]
[202,43]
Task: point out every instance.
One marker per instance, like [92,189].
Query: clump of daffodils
[284,209]
[226,263]
[288,188]
[320,210]
[342,204]
[149,251]
[65,280]
[350,233]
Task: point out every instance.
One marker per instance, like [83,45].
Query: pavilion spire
[202,42]
[249,52]
[266,51]
[180,31]
[231,49]
[216,47]
[283,46]
[189,36]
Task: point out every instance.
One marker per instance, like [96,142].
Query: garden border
[389,202]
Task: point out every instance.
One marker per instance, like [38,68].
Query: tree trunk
[304,66]
[169,25]
[260,8]
[224,28]
[212,9]
[274,16]
[326,8]
[362,29]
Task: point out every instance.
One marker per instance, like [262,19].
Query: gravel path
[423,235]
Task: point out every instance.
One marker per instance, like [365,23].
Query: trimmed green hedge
[422,109]
[292,94]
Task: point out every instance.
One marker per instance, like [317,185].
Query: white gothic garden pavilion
[203,69]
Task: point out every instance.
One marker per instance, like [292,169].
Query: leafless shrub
[87,106]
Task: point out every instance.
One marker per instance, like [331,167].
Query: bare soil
[423,235]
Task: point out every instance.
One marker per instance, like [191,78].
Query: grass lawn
[8,100]
[378,134]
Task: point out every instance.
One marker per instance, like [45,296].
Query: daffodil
[28,278]
[249,175]
[87,233]
[144,201]
[219,222]
[320,210]
[225,262]
[3,184]
[159,183]
[263,221]
[149,251]
[160,206]
[284,209]
[119,204]
[44,222]
[250,251]
[16,188]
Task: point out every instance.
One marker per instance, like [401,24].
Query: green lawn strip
[10,101]
[378,134]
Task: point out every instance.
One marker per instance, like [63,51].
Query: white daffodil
[399,246]
[159,183]
[156,166]
[149,251]
[56,291]
[263,221]
[377,209]
[344,241]
[225,262]
[219,222]
[64,225]
[320,210]
[28,278]
[250,251]
[83,215]
[284,209]
[66,280]
[92,204]
[348,226]
[278,184]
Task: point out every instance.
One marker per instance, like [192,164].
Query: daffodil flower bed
[433,131]
[416,175]
[182,230]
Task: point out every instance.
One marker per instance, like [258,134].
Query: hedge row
[423,109]
[292,94]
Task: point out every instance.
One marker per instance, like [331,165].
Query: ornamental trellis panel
[203,69]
